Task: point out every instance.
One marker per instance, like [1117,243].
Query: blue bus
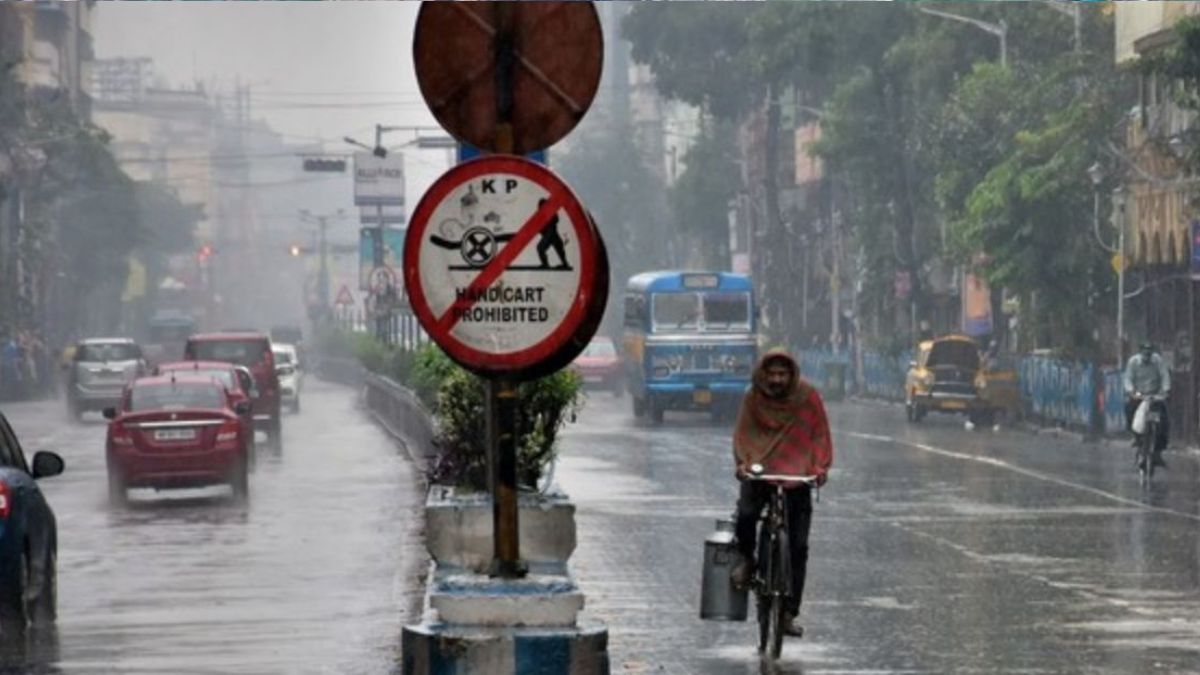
[689,342]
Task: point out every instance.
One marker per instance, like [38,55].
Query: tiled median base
[476,624]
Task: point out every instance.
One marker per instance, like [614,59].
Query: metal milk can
[719,600]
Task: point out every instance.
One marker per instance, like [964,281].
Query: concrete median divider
[475,624]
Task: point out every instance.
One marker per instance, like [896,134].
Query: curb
[438,649]
[418,460]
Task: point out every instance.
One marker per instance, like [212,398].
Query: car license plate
[702,397]
[954,405]
[175,435]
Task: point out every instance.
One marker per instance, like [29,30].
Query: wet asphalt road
[933,550]
[315,575]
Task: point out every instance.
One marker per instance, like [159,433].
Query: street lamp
[1000,29]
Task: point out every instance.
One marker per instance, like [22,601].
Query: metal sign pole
[502,392]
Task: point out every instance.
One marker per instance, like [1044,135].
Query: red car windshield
[241,352]
[175,396]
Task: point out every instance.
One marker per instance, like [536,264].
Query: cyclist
[1146,374]
[782,426]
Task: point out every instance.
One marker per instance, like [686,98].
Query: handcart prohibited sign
[504,268]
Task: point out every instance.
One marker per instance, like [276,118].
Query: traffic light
[326,165]
[294,250]
[205,252]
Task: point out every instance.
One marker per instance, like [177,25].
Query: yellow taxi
[948,376]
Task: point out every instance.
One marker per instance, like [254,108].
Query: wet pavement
[316,574]
[933,549]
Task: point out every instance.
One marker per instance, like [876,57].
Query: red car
[600,366]
[237,380]
[176,430]
[252,350]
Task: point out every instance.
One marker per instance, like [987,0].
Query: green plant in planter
[543,406]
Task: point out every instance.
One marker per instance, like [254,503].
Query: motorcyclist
[1146,374]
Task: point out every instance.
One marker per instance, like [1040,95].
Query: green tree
[700,198]
[627,200]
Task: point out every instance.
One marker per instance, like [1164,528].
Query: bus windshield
[676,311]
[726,311]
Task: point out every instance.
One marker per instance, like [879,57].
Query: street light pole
[1119,202]
[1000,29]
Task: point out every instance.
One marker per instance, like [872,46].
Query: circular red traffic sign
[555,55]
[504,268]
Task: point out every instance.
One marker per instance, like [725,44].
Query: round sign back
[503,266]
[550,54]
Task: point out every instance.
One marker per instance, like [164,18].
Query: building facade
[1153,204]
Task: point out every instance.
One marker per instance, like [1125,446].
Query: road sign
[504,268]
[381,279]
[550,54]
[344,297]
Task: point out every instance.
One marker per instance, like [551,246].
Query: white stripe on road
[1001,464]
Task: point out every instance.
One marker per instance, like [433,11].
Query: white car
[291,374]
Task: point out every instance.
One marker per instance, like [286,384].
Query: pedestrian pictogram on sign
[504,267]
[344,297]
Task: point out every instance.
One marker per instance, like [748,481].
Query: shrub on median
[543,406]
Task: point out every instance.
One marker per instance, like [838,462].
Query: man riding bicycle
[1146,375]
[782,426]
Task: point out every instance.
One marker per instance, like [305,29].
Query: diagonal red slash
[496,267]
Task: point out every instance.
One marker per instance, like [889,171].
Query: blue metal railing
[1052,391]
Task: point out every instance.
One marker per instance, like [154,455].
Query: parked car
[28,536]
[287,367]
[252,350]
[176,430]
[600,366]
[98,372]
[238,382]
[946,377]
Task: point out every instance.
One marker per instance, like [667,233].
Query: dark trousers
[1164,428]
[751,501]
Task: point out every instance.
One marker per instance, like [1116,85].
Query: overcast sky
[324,69]
[317,70]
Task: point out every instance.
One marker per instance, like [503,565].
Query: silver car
[99,372]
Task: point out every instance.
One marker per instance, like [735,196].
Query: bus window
[676,311]
[724,311]
[635,311]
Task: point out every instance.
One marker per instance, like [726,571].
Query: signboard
[393,253]
[504,268]
[344,297]
[378,180]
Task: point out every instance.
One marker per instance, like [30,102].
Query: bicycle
[1149,436]
[772,582]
